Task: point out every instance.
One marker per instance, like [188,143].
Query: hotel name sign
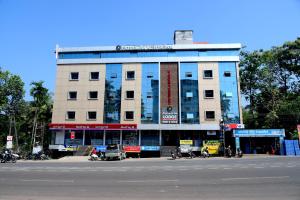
[143,47]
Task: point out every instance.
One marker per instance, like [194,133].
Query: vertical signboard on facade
[169,93]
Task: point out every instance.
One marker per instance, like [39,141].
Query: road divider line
[254,178]
[48,180]
[145,181]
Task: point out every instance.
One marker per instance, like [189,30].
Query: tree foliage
[270,82]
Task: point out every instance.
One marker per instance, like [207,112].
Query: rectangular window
[113,75]
[150,75]
[130,75]
[149,115]
[94,76]
[208,74]
[129,115]
[228,94]
[209,94]
[210,115]
[70,115]
[72,95]
[149,95]
[92,115]
[74,76]
[93,95]
[130,94]
[190,116]
[227,74]
[189,94]
[188,74]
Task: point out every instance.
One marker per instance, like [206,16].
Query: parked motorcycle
[40,156]
[8,156]
[228,152]
[239,153]
[173,155]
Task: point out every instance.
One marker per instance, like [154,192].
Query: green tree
[41,106]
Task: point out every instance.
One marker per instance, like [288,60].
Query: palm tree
[41,99]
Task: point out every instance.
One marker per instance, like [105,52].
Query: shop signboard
[213,146]
[210,133]
[186,142]
[132,149]
[150,148]
[93,126]
[258,133]
[169,115]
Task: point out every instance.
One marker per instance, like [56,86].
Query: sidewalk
[86,158]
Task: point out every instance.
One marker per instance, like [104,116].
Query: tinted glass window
[209,93]
[94,76]
[71,115]
[93,95]
[72,95]
[208,74]
[74,76]
[210,114]
[129,115]
[130,75]
[129,94]
[92,115]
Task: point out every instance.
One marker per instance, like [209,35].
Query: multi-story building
[148,96]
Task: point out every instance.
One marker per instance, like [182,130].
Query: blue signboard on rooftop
[258,133]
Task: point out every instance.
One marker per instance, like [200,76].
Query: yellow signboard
[186,142]
[213,146]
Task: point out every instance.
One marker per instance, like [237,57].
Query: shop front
[259,141]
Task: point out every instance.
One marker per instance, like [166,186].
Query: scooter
[173,155]
[239,153]
[205,154]
[9,157]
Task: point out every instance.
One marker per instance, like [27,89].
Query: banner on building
[186,142]
[132,149]
[213,146]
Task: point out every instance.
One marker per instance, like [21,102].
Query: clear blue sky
[30,29]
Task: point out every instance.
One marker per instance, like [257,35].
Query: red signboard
[132,149]
[94,126]
[72,136]
[234,126]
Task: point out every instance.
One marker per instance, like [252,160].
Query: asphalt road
[217,178]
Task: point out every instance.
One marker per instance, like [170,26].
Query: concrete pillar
[160,138]
[140,138]
[83,138]
[121,137]
[104,137]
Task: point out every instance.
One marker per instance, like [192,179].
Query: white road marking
[275,166]
[145,181]
[227,168]
[48,180]
[259,167]
[253,178]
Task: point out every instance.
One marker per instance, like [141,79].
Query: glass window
[189,93]
[149,95]
[74,76]
[209,94]
[189,115]
[130,138]
[210,115]
[130,75]
[150,138]
[112,96]
[92,115]
[229,92]
[227,74]
[150,75]
[129,115]
[130,94]
[72,95]
[93,95]
[113,75]
[112,137]
[70,115]
[208,74]
[188,74]
[94,76]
